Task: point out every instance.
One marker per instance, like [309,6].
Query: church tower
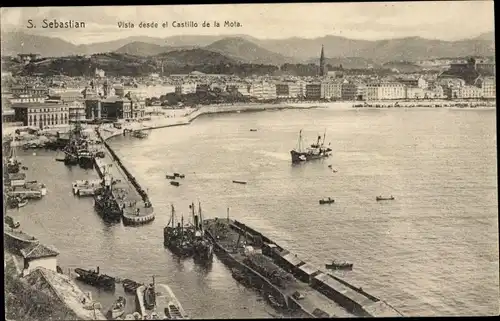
[322,65]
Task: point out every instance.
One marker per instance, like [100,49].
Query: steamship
[314,151]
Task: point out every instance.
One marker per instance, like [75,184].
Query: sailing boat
[202,246]
[314,151]
[177,238]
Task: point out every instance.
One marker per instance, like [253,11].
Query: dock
[136,210]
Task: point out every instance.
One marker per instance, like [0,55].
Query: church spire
[322,65]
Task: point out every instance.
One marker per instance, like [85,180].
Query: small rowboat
[174,183]
[170,176]
[380,198]
[239,182]
[326,201]
[337,265]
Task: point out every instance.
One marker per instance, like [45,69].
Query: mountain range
[246,49]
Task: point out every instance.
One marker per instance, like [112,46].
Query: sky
[445,20]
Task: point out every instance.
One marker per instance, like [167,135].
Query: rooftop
[35,105]
[37,251]
[292,258]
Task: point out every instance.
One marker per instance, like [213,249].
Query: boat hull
[298,157]
[86,162]
[113,213]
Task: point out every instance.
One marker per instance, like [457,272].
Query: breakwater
[348,296]
[128,193]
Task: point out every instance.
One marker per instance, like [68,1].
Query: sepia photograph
[249,161]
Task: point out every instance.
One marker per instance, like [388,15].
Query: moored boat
[105,203]
[328,200]
[159,302]
[177,237]
[117,309]
[381,198]
[339,265]
[93,277]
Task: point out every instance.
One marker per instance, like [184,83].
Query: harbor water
[433,251]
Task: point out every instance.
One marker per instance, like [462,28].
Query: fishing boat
[139,134]
[17,202]
[380,198]
[339,265]
[175,183]
[130,286]
[203,248]
[117,309]
[85,158]
[326,201]
[159,302]
[239,182]
[253,129]
[105,203]
[177,237]
[36,186]
[314,151]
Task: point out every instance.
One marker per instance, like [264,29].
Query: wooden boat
[17,202]
[239,182]
[169,176]
[380,198]
[130,286]
[327,201]
[337,265]
[174,183]
[117,309]
[274,302]
[253,130]
[94,278]
[181,176]
[22,202]
[10,222]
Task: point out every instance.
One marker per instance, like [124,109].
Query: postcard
[250,161]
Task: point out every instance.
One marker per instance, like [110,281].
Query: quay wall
[257,278]
[340,296]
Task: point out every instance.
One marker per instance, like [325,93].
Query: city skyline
[366,21]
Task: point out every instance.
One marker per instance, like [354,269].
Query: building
[76,111]
[262,90]
[391,90]
[39,255]
[313,91]
[184,89]
[29,91]
[41,114]
[470,92]
[202,89]
[331,90]
[282,90]
[353,90]
[488,86]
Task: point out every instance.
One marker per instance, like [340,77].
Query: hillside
[347,62]
[138,48]
[247,52]
[14,43]
[194,57]
[411,49]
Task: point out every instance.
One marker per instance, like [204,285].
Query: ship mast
[324,137]
[200,217]
[194,216]
[172,218]
[300,141]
